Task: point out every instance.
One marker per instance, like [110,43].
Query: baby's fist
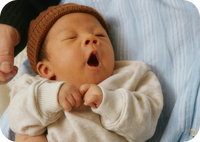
[69,97]
[92,95]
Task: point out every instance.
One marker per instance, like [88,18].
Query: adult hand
[9,38]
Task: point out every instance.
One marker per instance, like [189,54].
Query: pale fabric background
[165,35]
[5,89]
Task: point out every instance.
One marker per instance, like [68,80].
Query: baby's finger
[78,99]
[92,100]
[71,100]
[84,88]
[66,105]
[93,105]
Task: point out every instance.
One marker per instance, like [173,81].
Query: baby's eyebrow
[64,30]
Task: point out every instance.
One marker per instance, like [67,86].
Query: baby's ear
[44,70]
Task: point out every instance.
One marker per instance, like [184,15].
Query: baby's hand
[92,95]
[69,97]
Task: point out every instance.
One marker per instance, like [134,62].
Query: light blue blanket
[165,34]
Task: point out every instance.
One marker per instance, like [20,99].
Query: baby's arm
[33,105]
[132,102]
[42,99]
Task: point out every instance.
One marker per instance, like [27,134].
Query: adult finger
[2,76]
[9,38]
[6,81]
[5,78]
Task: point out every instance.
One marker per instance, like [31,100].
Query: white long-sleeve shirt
[131,105]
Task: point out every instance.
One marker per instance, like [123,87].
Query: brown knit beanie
[42,24]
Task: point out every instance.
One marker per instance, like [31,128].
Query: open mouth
[93,61]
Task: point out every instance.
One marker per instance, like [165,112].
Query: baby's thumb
[84,88]
[92,100]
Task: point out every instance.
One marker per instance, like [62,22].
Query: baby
[70,49]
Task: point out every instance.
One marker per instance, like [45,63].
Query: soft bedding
[165,34]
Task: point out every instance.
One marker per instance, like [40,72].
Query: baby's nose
[91,39]
[88,41]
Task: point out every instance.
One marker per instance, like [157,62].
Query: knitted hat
[42,24]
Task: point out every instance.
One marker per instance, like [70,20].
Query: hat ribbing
[41,25]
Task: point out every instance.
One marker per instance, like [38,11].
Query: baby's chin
[78,85]
[94,81]
[77,82]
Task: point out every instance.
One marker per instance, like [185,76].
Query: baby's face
[79,50]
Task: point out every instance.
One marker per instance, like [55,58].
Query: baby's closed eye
[100,35]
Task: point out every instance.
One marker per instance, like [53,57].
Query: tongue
[93,61]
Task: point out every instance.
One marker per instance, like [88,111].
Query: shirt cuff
[111,108]
[47,99]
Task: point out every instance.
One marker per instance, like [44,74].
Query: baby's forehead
[75,21]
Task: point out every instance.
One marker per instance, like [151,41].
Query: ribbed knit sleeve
[132,101]
[19,13]
[33,105]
